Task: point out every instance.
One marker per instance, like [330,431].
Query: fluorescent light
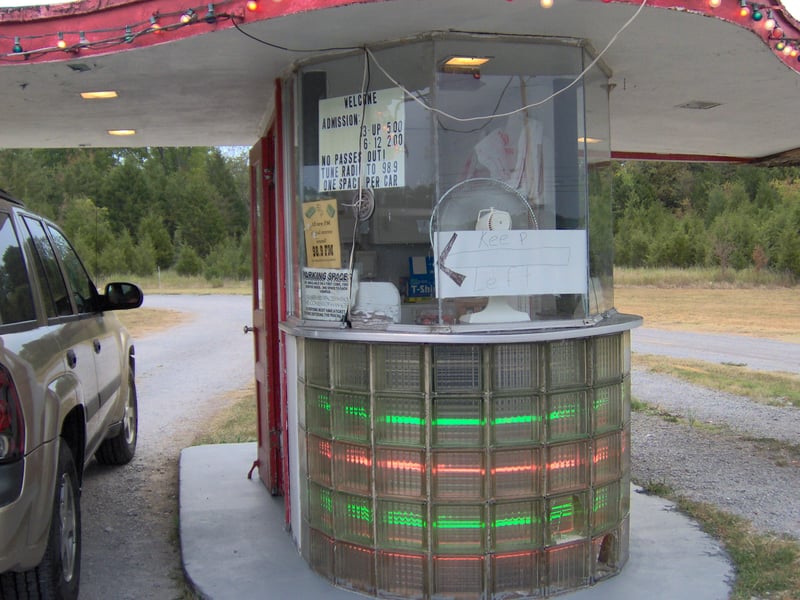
[121,132]
[466,61]
[99,95]
[589,140]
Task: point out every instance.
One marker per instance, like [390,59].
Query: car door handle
[97,346]
[72,359]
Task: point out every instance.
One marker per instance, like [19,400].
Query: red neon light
[402,465]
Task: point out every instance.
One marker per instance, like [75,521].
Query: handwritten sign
[321,226]
[362,136]
[325,294]
[516,262]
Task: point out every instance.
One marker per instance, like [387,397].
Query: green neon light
[519,419]
[562,511]
[600,501]
[324,401]
[362,513]
[325,501]
[600,402]
[400,420]
[356,411]
[514,521]
[563,413]
[458,422]
[452,523]
[406,519]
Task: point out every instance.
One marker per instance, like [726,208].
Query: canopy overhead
[688,81]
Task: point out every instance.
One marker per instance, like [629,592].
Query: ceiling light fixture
[102,95]
[121,132]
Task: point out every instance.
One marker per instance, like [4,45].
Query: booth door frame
[266,246]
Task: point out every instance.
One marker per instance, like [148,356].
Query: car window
[16,300]
[54,289]
[83,290]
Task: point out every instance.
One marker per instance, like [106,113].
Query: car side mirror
[122,296]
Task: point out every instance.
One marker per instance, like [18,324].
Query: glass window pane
[54,289]
[16,302]
[83,290]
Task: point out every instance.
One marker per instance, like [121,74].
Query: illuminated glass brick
[516,525]
[320,459]
[566,416]
[318,410]
[353,518]
[402,525]
[458,528]
[605,507]
[402,575]
[567,567]
[400,420]
[515,419]
[460,578]
[515,575]
[352,467]
[320,508]
[515,367]
[606,459]
[566,366]
[457,368]
[350,366]
[516,472]
[458,421]
[458,475]
[399,367]
[400,472]
[351,418]
[566,467]
[566,519]
[606,408]
[354,567]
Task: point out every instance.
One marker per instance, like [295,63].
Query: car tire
[119,450]
[57,577]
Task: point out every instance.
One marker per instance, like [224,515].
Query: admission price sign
[362,136]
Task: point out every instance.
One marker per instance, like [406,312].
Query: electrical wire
[580,75]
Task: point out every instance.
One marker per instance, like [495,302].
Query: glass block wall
[466,471]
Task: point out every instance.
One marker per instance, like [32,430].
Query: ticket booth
[447,407]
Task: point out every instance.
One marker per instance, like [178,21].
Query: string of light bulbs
[157,23]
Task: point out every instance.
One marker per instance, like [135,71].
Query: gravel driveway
[130,549]
[183,375]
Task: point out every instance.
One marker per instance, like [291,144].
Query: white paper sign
[362,135]
[517,262]
[325,293]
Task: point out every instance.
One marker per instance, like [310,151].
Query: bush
[189,262]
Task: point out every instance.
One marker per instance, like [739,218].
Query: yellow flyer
[321,225]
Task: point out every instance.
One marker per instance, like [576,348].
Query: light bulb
[252,5]
[714,3]
[61,43]
[546,3]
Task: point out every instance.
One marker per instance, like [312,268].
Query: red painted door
[266,252]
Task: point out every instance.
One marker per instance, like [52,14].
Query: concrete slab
[234,544]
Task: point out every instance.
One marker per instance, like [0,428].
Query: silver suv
[67,393]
